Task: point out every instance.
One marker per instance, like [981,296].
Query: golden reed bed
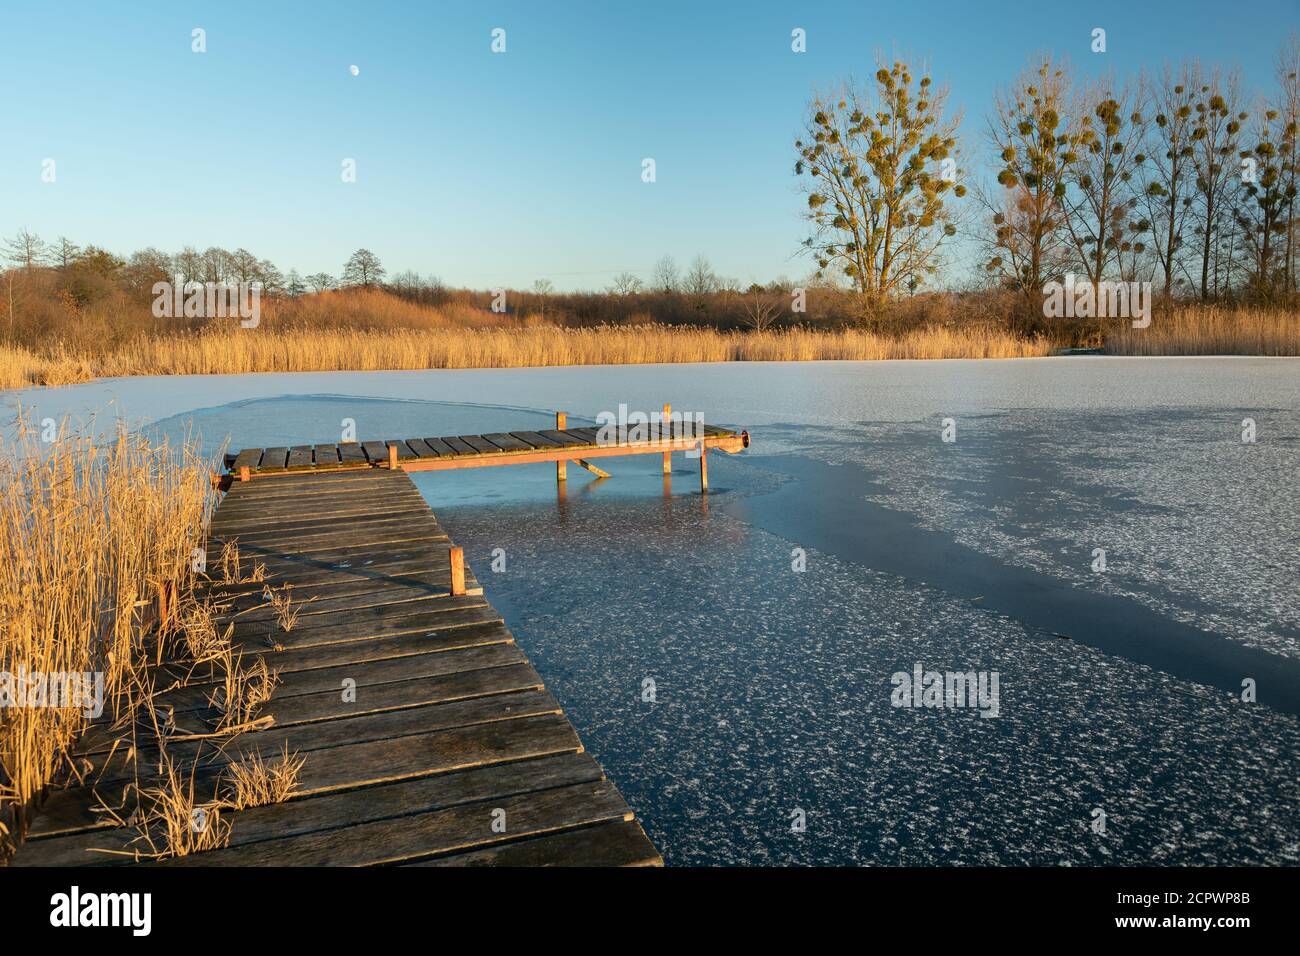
[90,530]
[265,350]
[1211,332]
[1187,332]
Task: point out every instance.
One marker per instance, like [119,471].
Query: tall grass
[266,350]
[89,534]
[1211,331]
[372,334]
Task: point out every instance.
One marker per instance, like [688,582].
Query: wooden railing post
[457,555]
[243,473]
[665,430]
[392,457]
[561,422]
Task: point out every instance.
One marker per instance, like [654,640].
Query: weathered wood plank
[507,442]
[325,554]
[457,446]
[251,529]
[309,573]
[620,843]
[372,762]
[421,448]
[376,451]
[536,440]
[404,451]
[480,444]
[341,506]
[335,810]
[439,688]
[586,435]
[418,617]
[329,482]
[248,458]
[366,590]
[562,438]
[344,535]
[425,834]
[273,459]
[109,769]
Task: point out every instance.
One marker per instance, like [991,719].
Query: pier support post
[561,422]
[457,555]
[665,434]
[704,467]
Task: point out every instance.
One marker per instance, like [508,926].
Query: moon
[354,69]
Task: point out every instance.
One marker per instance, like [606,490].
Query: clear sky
[490,169]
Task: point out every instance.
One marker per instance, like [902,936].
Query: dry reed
[241,692]
[1209,331]
[256,782]
[172,821]
[233,351]
[89,532]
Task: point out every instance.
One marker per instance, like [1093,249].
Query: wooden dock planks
[453,450]
[447,749]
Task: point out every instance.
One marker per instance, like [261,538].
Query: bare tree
[760,311]
[242,265]
[65,253]
[269,276]
[1110,133]
[146,267]
[700,279]
[188,264]
[666,277]
[1288,77]
[876,162]
[320,281]
[1216,139]
[363,269]
[26,249]
[1167,174]
[218,265]
[625,284]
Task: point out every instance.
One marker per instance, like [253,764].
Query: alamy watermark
[951,689]
[80,689]
[209,300]
[75,908]
[1080,298]
[633,427]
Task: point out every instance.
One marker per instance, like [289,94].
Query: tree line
[140,270]
[1182,179]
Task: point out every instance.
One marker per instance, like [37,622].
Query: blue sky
[499,169]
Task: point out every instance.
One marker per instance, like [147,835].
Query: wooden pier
[560,445]
[426,737]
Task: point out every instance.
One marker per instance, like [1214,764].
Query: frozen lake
[1119,689]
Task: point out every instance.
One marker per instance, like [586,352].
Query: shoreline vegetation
[378,330]
[98,575]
